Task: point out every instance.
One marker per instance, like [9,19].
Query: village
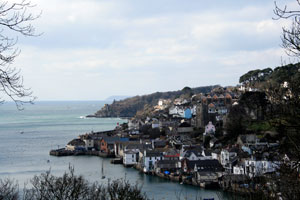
[183,140]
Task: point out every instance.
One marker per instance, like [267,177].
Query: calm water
[27,136]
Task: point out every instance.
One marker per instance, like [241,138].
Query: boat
[102,171]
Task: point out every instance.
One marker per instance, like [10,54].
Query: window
[150,158]
[132,156]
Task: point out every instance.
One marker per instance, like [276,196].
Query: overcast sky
[92,49]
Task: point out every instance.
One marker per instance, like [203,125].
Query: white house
[228,158]
[177,111]
[259,167]
[239,170]
[89,142]
[191,155]
[210,128]
[155,123]
[130,157]
[148,159]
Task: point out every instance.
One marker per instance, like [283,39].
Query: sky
[93,49]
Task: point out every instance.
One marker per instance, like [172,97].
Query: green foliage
[260,126]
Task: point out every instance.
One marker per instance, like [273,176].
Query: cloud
[134,47]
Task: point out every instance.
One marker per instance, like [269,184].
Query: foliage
[290,36]
[9,190]
[254,76]
[236,122]
[130,106]
[70,187]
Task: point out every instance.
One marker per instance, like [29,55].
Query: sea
[27,136]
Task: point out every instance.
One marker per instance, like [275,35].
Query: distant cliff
[129,107]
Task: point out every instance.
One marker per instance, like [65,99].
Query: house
[228,159]
[108,143]
[170,154]
[176,111]
[148,158]
[207,179]
[155,123]
[162,104]
[210,129]
[255,167]
[246,139]
[134,126]
[76,145]
[121,146]
[192,154]
[239,169]
[206,154]
[89,142]
[202,166]
[130,157]
[187,113]
[165,166]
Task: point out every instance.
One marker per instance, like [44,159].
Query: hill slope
[129,107]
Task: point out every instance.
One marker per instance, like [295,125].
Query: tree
[14,20]
[291,36]
[9,190]
[69,187]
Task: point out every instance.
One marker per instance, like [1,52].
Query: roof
[130,152]
[211,105]
[228,96]
[150,153]
[184,124]
[198,153]
[167,164]
[137,146]
[111,140]
[205,165]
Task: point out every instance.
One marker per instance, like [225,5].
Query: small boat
[102,171]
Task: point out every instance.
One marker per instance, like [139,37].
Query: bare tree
[14,20]
[69,187]
[291,36]
[9,190]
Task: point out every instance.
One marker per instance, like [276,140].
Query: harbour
[50,125]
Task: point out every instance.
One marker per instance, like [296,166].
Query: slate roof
[188,153]
[205,165]
[150,153]
[111,140]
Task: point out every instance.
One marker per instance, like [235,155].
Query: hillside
[130,106]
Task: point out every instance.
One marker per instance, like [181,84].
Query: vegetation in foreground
[69,187]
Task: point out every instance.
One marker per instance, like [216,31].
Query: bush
[70,187]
